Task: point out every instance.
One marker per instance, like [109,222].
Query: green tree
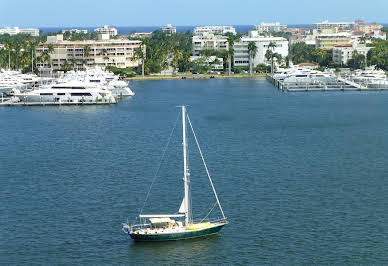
[378,55]
[252,51]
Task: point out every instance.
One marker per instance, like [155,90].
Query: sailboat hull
[187,234]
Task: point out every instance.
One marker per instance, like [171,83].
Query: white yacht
[73,91]
[307,76]
[96,77]
[369,74]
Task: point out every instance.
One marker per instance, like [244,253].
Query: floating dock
[337,84]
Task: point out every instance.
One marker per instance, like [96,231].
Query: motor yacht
[73,91]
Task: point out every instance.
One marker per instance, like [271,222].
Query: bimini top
[160,215]
[161,220]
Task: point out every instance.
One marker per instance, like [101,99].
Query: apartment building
[241,54]
[170,29]
[107,30]
[204,30]
[74,31]
[209,42]
[16,30]
[270,27]
[103,52]
[331,25]
[330,40]
[367,28]
[343,53]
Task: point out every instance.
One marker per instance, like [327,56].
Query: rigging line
[215,204]
[207,171]
[160,164]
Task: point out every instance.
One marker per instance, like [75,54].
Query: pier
[51,103]
[338,84]
[7,101]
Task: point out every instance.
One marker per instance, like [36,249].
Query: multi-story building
[270,27]
[209,42]
[204,30]
[107,30]
[140,35]
[342,53]
[241,53]
[74,31]
[330,40]
[378,34]
[331,25]
[367,28]
[103,52]
[308,39]
[170,29]
[16,30]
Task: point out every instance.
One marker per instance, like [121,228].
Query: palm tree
[32,46]
[73,62]
[252,50]
[269,56]
[272,45]
[85,55]
[50,50]
[230,53]
[279,58]
[140,54]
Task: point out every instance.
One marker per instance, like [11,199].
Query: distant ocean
[131,29]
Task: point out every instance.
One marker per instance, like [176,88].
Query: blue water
[302,177]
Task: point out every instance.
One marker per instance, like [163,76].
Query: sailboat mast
[185,169]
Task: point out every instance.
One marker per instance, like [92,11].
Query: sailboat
[178,226]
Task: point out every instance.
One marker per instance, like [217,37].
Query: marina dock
[338,84]
[52,103]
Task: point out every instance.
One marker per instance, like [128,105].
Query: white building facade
[170,29]
[203,30]
[75,31]
[343,53]
[209,42]
[331,25]
[270,27]
[117,53]
[107,30]
[16,30]
[241,54]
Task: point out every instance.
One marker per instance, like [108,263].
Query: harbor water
[302,177]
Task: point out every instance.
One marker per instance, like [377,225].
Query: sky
[89,13]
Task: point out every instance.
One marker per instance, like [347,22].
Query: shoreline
[196,76]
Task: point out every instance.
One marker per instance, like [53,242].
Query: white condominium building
[241,53]
[377,34]
[16,30]
[270,27]
[80,54]
[342,53]
[209,42]
[170,29]
[107,30]
[331,25]
[75,31]
[203,30]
